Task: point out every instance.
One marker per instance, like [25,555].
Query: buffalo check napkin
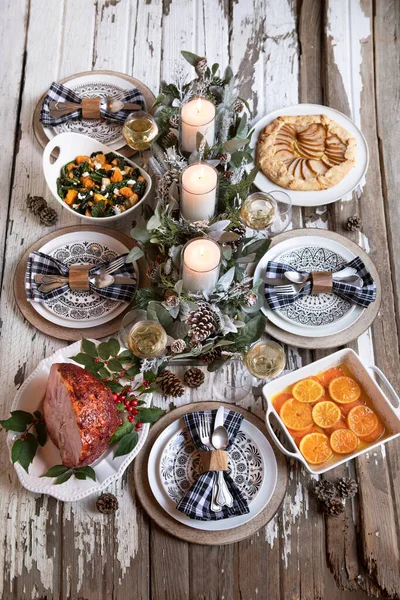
[39,263]
[61,93]
[363,297]
[196,503]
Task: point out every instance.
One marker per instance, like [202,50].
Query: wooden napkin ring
[79,277]
[321,282]
[91,108]
[216,460]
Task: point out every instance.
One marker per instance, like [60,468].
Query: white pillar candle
[197,116]
[198,192]
[201,262]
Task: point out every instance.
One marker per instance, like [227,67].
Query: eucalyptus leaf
[251,332]
[228,74]
[156,312]
[178,287]
[178,330]
[225,281]
[140,234]
[192,58]
[246,259]
[217,364]
[227,252]
[234,144]
[134,254]
[153,223]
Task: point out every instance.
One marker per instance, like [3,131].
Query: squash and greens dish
[101,185]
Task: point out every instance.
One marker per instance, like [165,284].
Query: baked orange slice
[344,441]
[362,420]
[326,377]
[278,400]
[315,448]
[301,432]
[375,435]
[344,390]
[346,408]
[307,390]
[326,414]
[341,424]
[296,415]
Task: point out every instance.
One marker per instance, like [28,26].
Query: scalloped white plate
[108,469]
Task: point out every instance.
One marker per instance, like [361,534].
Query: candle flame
[201,172]
[198,104]
[201,250]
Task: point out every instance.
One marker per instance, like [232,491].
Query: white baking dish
[387,410]
[71,145]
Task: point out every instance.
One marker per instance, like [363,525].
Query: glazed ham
[80,414]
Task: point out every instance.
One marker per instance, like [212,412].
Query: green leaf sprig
[24,448]
[64,473]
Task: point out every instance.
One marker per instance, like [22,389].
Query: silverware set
[113,105]
[294,282]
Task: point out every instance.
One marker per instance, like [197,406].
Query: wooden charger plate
[35,319]
[189,534]
[146,93]
[347,335]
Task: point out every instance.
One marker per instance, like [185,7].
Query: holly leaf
[104,350]
[24,450]
[133,371]
[41,433]
[192,58]
[18,421]
[84,359]
[103,373]
[126,355]
[122,430]
[120,407]
[114,386]
[84,472]
[149,376]
[114,346]
[56,471]
[114,365]
[64,477]
[150,415]
[127,444]
[89,348]
[37,414]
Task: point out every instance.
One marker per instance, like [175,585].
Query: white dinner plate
[278,318]
[260,500]
[81,309]
[108,469]
[315,198]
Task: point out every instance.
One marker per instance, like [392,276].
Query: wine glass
[265,360]
[143,337]
[267,213]
[139,130]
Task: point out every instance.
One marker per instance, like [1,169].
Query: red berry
[130,409]
[126,403]
[97,360]
[131,419]
[134,411]
[134,402]
[123,397]
[116,396]
[146,384]
[138,425]
[122,372]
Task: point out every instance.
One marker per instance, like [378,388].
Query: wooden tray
[196,536]
[57,331]
[146,93]
[351,333]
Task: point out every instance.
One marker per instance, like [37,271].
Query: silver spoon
[220,440]
[352,279]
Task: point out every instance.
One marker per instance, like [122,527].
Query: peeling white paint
[272,531]
[293,508]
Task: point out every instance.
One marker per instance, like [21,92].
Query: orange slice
[341,424]
[326,377]
[344,390]
[375,435]
[346,408]
[278,400]
[344,441]
[307,390]
[326,414]
[296,415]
[301,432]
[315,448]
[362,420]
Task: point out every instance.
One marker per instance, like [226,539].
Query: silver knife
[275,281]
[224,496]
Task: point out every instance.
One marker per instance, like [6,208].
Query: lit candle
[198,192]
[197,116]
[201,261]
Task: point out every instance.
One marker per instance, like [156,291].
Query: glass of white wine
[267,213]
[144,338]
[139,130]
[265,360]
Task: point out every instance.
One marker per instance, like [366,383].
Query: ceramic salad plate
[108,469]
[173,463]
[313,315]
[315,198]
[80,309]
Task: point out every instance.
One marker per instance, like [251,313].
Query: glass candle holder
[197,116]
[270,213]
[201,259]
[199,192]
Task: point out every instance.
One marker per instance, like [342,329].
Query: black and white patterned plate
[180,462]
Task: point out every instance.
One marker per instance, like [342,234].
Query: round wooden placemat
[178,529]
[347,335]
[146,93]
[35,319]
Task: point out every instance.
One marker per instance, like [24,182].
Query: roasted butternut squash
[70,197]
[116,177]
[81,159]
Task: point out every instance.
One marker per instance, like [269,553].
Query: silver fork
[204,432]
[292,289]
[50,282]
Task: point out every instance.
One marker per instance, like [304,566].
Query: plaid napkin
[196,503]
[362,297]
[47,265]
[61,93]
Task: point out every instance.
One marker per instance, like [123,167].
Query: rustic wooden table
[342,53]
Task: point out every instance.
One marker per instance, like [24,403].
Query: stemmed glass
[269,214]
[144,338]
[139,130]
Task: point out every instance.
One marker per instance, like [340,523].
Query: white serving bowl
[69,146]
[388,410]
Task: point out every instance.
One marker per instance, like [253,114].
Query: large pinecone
[36,204]
[324,490]
[347,487]
[353,223]
[194,377]
[170,384]
[334,507]
[202,323]
[169,140]
[107,503]
[214,354]
[48,216]
[239,230]
[201,67]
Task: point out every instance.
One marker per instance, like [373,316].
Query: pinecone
[209,357]
[201,67]
[347,487]
[202,322]
[178,346]
[48,216]
[194,377]
[238,106]
[36,204]
[107,503]
[334,507]
[224,158]
[324,490]
[151,273]
[241,231]
[353,223]
[251,299]
[171,299]
[173,121]
[169,139]
[195,347]
[170,384]
[228,174]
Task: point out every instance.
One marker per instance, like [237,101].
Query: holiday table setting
[199,242]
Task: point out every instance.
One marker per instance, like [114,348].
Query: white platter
[281,321]
[108,469]
[256,506]
[315,198]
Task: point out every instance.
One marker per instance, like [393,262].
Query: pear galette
[305,152]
